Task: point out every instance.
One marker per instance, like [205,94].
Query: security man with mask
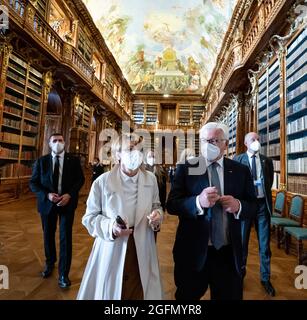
[262,171]
[56,179]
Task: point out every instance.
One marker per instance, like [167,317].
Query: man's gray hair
[215,125]
[248,134]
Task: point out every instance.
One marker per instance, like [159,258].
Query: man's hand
[64,199]
[208,197]
[155,220]
[54,197]
[230,204]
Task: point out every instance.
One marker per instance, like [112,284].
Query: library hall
[153,150]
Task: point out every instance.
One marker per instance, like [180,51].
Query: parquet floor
[21,250]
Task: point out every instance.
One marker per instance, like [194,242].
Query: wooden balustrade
[18,6]
[82,65]
[46,34]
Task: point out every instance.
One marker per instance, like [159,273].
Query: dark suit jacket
[41,181]
[191,244]
[267,175]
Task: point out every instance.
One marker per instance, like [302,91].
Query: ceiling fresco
[164,46]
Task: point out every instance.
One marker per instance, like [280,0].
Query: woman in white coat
[112,271]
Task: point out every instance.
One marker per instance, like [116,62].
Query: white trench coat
[103,275]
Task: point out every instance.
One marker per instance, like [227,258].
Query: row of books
[13,110]
[18,61]
[274,119]
[297,145]
[276,165]
[274,106]
[298,106]
[297,166]
[33,96]
[274,134]
[30,128]
[297,74]
[35,87]
[16,77]
[31,116]
[297,91]
[33,106]
[19,68]
[12,98]
[8,153]
[15,87]
[12,123]
[13,154]
[297,184]
[299,124]
[15,139]
[298,63]
[10,170]
[274,93]
[298,50]
[262,103]
[272,150]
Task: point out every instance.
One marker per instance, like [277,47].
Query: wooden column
[240,125]
[5,52]
[283,129]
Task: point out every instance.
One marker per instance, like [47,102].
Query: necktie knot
[214,165]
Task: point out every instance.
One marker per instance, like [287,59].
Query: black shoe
[64,282]
[268,288]
[47,271]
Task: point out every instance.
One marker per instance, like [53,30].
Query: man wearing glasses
[210,195]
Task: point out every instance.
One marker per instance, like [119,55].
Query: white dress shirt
[220,172]
[258,182]
[130,191]
[61,161]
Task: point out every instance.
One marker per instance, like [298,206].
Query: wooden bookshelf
[296,114]
[197,111]
[151,113]
[138,112]
[20,119]
[184,115]
[268,115]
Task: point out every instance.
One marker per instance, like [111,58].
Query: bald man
[262,171]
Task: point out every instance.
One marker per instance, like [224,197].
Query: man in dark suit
[262,171]
[97,168]
[210,195]
[57,179]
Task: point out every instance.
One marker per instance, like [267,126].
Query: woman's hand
[118,231]
[155,219]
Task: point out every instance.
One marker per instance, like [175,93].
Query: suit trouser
[49,223]
[132,286]
[262,223]
[219,273]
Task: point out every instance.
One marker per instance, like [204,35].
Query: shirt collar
[220,162]
[126,178]
[251,154]
[61,155]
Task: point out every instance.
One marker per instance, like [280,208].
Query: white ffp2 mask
[131,159]
[210,151]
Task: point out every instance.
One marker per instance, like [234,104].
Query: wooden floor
[21,250]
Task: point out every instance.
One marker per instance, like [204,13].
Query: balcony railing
[23,13]
[46,34]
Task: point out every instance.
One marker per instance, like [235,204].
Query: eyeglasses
[212,141]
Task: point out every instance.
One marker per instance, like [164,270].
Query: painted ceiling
[164,46]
